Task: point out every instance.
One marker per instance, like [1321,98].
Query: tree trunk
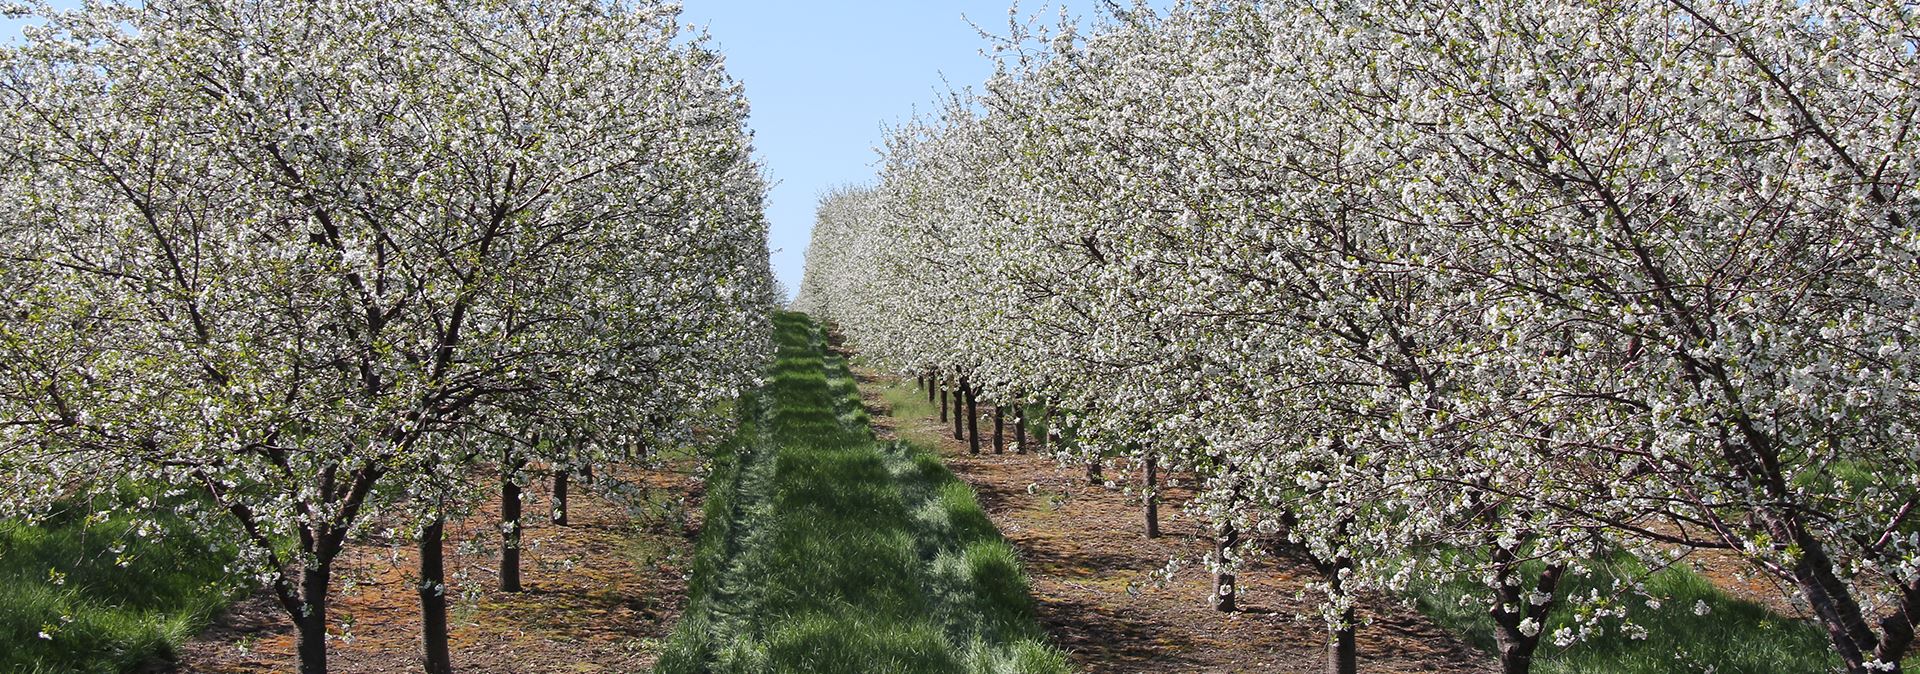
[510,527]
[437,656]
[1153,496]
[999,429]
[1515,606]
[312,624]
[1896,630]
[560,504]
[1224,589]
[1342,655]
[1020,429]
[943,403]
[305,603]
[933,382]
[1515,646]
[1859,647]
[1342,651]
[960,411]
[1756,458]
[1094,476]
[973,418]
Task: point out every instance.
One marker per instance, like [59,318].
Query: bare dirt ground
[601,595]
[1736,576]
[1094,577]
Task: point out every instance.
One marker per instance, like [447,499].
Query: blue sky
[826,78]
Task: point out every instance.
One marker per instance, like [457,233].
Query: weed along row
[826,551]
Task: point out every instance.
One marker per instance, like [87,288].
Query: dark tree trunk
[1020,429]
[437,657]
[560,505]
[1094,475]
[1516,647]
[510,527]
[1224,589]
[973,418]
[312,623]
[1897,628]
[943,404]
[586,474]
[1342,651]
[1833,602]
[999,429]
[305,602]
[960,411]
[1153,496]
[932,382]
[1757,459]
[1342,656]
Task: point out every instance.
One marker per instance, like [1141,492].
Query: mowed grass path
[826,551]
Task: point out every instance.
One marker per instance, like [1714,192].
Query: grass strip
[99,590]
[826,552]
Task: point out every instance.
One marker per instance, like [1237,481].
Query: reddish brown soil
[601,595]
[1736,576]
[1094,577]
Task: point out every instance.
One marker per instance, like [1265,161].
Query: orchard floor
[1097,585]
[601,594]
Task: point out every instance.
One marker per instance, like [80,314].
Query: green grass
[910,404]
[1734,636]
[826,551]
[64,577]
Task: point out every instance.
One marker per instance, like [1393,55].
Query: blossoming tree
[277,252]
[1505,282]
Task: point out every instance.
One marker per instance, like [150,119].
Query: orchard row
[310,268]
[1459,289]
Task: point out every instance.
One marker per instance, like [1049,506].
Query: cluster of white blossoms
[313,259]
[1492,281]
